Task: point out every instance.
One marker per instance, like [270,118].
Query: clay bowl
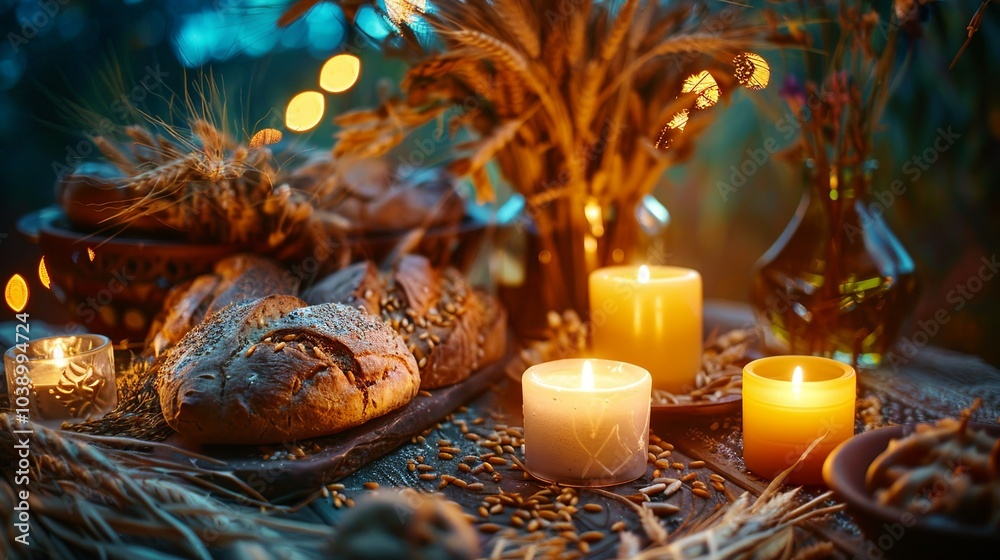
[890,532]
[120,287]
[114,285]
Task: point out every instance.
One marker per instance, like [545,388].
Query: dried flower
[846,105]
[793,93]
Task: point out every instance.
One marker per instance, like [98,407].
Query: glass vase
[547,251]
[837,282]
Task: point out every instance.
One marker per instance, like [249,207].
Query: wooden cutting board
[346,452]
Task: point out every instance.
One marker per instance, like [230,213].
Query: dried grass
[749,527]
[116,498]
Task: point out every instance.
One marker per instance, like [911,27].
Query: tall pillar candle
[586,422]
[789,402]
[649,316]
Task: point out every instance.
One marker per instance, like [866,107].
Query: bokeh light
[16,293]
[43,273]
[339,73]
[704,86]
[751,70]
[304,111]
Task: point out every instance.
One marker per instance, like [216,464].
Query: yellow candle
[788,402]
[650,316]
[586,421]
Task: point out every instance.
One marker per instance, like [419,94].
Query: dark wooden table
[933,384]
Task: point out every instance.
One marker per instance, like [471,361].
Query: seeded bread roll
[274,370]
[236,279]
[451,328]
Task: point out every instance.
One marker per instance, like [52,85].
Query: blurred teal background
[93,52]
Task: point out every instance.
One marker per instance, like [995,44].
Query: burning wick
[643,275]
[797,381]
[587,377]
[59,356]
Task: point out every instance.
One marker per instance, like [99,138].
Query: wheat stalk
[95,494]
[619,29]
[522,27]
[515,51]
[744,525]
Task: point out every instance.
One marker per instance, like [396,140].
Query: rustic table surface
[504,501]
[932,384]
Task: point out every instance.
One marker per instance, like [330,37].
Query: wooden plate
[725,405]
[344,453]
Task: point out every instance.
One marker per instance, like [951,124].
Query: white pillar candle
[650,316]
[586,422]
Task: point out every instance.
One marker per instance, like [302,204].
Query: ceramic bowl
[890,532]
[116,285]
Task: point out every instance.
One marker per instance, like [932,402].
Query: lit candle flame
[643,275]
[797,381]
[587,377]
[59,355]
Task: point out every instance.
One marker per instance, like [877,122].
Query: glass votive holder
[62,378]
[586,422]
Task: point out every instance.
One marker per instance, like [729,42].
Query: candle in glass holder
[68,378]
[650,316]
[586,422]
[789,402]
